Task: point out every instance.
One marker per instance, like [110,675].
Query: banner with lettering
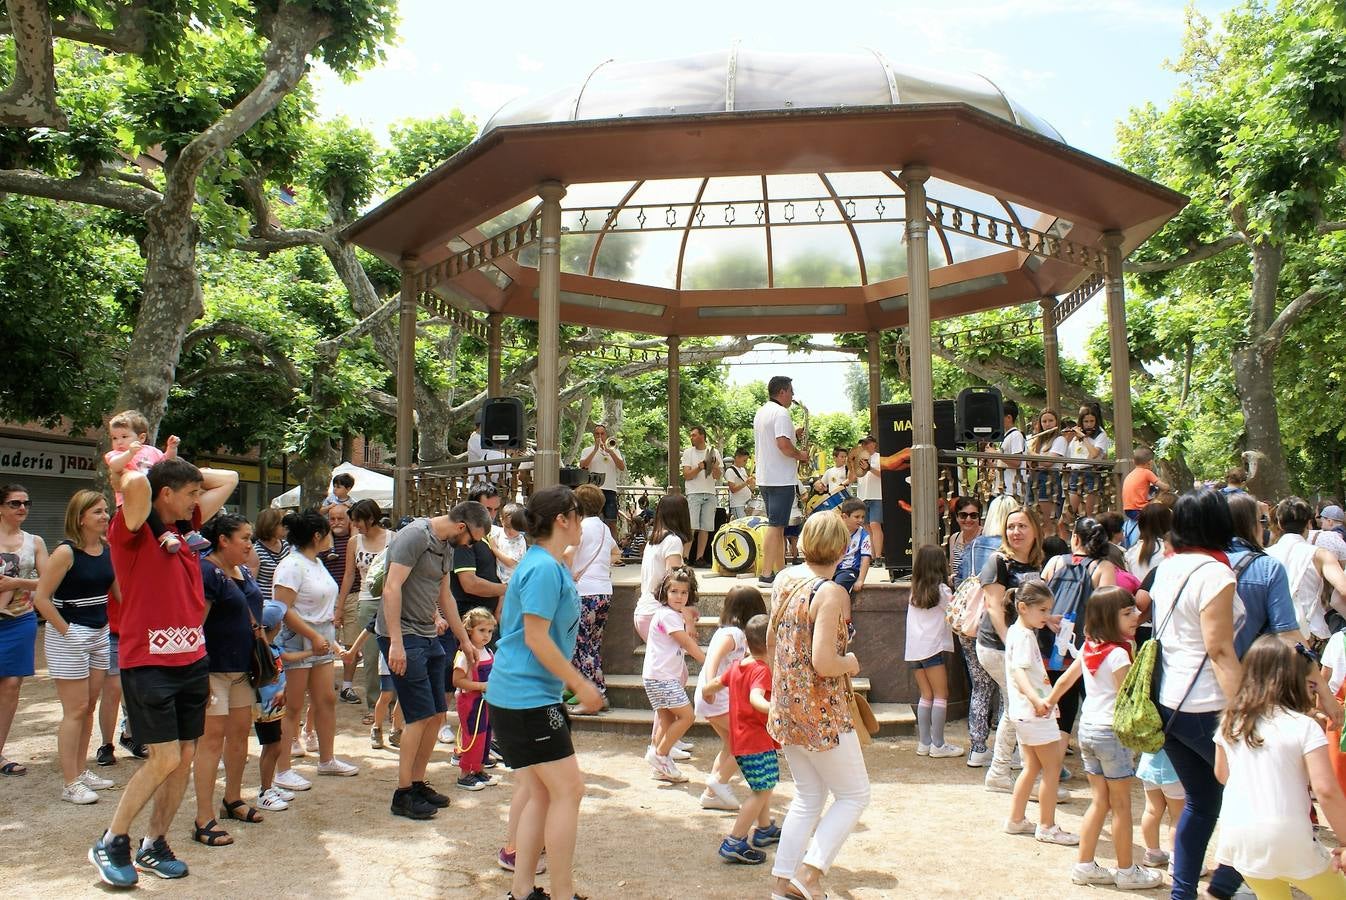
[895,459]
[29,458]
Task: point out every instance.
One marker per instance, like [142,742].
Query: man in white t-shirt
[1013,444]
[600,458]
[701,468]
[740,484]
[777,470]
[1307,566]
[869,488]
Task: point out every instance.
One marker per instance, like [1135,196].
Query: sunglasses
[969,515]
[18,504]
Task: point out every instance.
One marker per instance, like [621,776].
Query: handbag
[262,669]
[966,608]
[862,715]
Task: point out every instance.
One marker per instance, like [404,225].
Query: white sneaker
[1023,826]
[1016,761]
[271,802]
[1091,873]
[1056,835]
[1062,795]
[979,759]
[678,754]
[713,797]
[922,749]
[311,742]
[297,749]
[280,792]
[1137,878]
[336,766]
[946,751]
[667,770]
[446,734]
[93,782]
[684,745]
[1154,858]
[292,781]
[999,784]
[652,757]
[78,792]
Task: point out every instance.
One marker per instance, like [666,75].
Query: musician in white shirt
[740,483]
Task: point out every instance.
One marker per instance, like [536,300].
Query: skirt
[18,645]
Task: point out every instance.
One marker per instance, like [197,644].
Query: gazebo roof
[761,193]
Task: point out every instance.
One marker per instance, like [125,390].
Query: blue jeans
[1190,745]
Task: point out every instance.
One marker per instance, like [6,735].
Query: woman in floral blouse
[810,711]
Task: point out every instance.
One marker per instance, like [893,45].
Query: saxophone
[802,441]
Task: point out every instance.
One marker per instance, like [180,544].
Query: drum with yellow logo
[738,546]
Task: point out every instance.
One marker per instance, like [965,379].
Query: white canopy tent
[368,486]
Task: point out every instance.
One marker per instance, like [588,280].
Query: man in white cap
[1330,536]
[1333,518]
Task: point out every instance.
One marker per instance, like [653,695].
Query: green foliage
[419,145]
[340,162]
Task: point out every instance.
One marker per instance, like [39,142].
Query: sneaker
[488,780]
[1137,878]
[765,837]
[280,792]
[104,756]
[1056,835]
[491,761]
[348,695]
[1155,858]
[1091,873]
[336,766]
[1066,774]
[271,802]
[978,759]
[946,751]
[297,749]
[133,747]
[1016,761]
[93,782]
[423,790]
[999,784]
[1062,795]
[1023,826]
[376,739]
[112,859]
[922,749]
[505,860]
[765,580]
[455,761]
[679,754]
[723,791]
[667,770]
[395,738]
[159,859]
[78,793]
[683,745]
[737,850]
[291,781]
[407,803]
[652,757]
[311,742]
[446,734]
[470,782]
[712,800]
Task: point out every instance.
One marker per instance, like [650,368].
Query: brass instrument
[802,442]
[612,443]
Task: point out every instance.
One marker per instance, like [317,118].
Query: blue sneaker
[737,850]
[765,837]
[112,859]
[159,859]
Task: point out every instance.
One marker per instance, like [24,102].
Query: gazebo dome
[743,80]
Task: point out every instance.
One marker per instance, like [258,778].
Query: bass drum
[737,547]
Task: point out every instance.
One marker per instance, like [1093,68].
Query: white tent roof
[368,486]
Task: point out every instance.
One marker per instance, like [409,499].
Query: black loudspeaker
[572,477]
[981,415]
[502,423]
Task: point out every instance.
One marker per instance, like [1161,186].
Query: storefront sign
[32,458]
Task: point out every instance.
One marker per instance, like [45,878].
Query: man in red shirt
[164,673]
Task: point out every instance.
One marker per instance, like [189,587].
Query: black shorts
[528,737]
[420,691]
[1069,705]
[267,732]
[167,703]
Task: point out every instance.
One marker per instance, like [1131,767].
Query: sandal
[11,768]
[368,719]
[230,811]
[211,834]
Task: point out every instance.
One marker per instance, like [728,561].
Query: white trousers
[840,771]
[993,661]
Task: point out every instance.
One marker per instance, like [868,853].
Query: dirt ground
[931,831]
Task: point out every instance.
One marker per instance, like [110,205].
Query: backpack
[965,609]
[377,572]
[1071,588]
[1135,718]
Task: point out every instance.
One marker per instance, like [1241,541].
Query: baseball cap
[1333,512]
[272,614]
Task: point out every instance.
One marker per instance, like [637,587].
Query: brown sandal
[211,834]
[230,811]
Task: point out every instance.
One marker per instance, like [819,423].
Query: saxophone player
[778,461]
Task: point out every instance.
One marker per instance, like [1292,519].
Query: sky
[1080,66]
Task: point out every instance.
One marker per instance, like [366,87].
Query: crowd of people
[179,628]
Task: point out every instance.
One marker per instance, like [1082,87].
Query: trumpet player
[604,457]
[701,469]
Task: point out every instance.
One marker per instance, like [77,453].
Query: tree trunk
[1254,376]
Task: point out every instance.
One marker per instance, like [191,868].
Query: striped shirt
[81,597]
[266,569]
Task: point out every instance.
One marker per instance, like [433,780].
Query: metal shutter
[50,495]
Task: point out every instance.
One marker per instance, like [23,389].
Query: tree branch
[282,239]
[129,35]
[81,189]
[1193,254]
[360,328]
[30,99]
[1329,227]
[1269,341]
[251,336]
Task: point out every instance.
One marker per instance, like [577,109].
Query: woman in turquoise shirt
[538,628]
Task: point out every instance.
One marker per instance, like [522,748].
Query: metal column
[1123,439]
[924,456]
[406,390]
[875,380]
[1051,353]
[674,417]
[547,458]
[493,354]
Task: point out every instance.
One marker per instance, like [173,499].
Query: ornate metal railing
[433,490]
[1045,479]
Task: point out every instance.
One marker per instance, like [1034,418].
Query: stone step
[638,657]
[629,690]
[895,720]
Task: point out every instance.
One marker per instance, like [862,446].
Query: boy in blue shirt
[854,564]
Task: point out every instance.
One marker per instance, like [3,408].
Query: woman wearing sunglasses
[23,556]
[967,520]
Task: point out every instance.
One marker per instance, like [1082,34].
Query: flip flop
[11,768]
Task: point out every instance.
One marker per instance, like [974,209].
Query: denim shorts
[779,500]
[927,663]
[1083,482]
[1046,486]
[609,506]
[701,508]
[420,691]
[873,512]
[293,640]
[1101,753]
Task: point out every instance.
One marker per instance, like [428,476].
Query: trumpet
[612,443]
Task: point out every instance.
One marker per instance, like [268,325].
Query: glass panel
[605,193]
[500,279]
[781,80]
[885,253]
[814,256]
[739,187]
[725,259]
[917,85]
[1034,122]
[949,192]
[509,218]
[654,257]
[794,187]
[670,190]
[691,84]
[965,248]
[863,184]
[553,107]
